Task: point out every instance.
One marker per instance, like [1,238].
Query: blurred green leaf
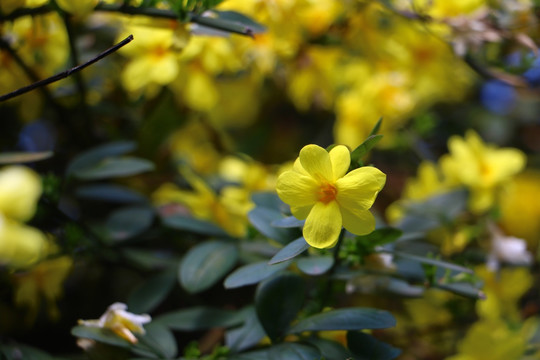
[23,352]
[268,200]
[289,251]
[160,339]
[252,274]
[428,260]
[93,156]
[365,347]
[128,222]
[149,259]
[278,300]
[227,21]
[23,157]
[114,167]
[380,236]
[346,319]
[249,334]
[205,264]
[364,148]
[240,19]
[109,193]
[294,351]
[191,224]
[261,218]
[330,349]
[148,295]
[199,318]
[288,222]
[463,289]
[315,265]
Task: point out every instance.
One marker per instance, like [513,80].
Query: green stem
[327,295]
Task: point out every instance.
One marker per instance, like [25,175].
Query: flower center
[327,193]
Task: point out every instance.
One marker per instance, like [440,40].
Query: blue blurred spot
[533,74]
[37,136]
[498,97]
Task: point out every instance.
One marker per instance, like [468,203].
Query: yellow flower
[20,245]
[20,189]
[320,190]
[120,321]
[45,279]
[228,209]
[78,8]
[480,167]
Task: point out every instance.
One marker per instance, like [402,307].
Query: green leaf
[261,218]
[23,157]
[249,334]
[292,249]
[109,193]
[366,347]
[288,222]
[205,264]
[148,295]
[128,222]
[380,236]
[429,261]
[95,155]
[268,200]
[105,336]
[20,352]
[160,339]
[114,167]
[330,349]
[376,128]
[315,265]
[228,21]
[252,274]
[148,259]
[346,319]
[277,301]
[193,225]
[463,289]
[362,150]
[199,318]
[294,351]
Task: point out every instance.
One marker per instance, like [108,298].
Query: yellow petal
[340,156]
[164,69]
[359,188]
[323,225]
[296,189]
[316,161]
[358,222]
[301,212]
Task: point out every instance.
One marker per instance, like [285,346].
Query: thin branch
[146,11]
[65,74]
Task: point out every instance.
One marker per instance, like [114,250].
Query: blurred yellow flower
[228,209]
[121,322]
[20,189]
[519,215]
[78,8]
[480,167]
[43,280]
[320,190]
[20,245]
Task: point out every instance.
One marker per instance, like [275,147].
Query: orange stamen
[327,193]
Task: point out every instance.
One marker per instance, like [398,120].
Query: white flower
[508,249]
[120,321]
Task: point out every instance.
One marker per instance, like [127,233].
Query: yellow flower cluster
[20,245]
[481,168]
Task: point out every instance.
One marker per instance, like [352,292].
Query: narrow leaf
[205,264]
[294,351]
[252,274]
[128,222]
[261,218]
[249,334]
[426,260]
[315,265]
[366,347]
[148,295]
[277,301]
[23,157]
[109,193]
[193,225]
[114,167]
[362,150]
[199,318]
[288,222]
[95,155]
[346,319]
[292,249]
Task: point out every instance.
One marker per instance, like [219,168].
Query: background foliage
[149,178]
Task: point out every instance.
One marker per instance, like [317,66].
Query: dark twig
[65,74]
